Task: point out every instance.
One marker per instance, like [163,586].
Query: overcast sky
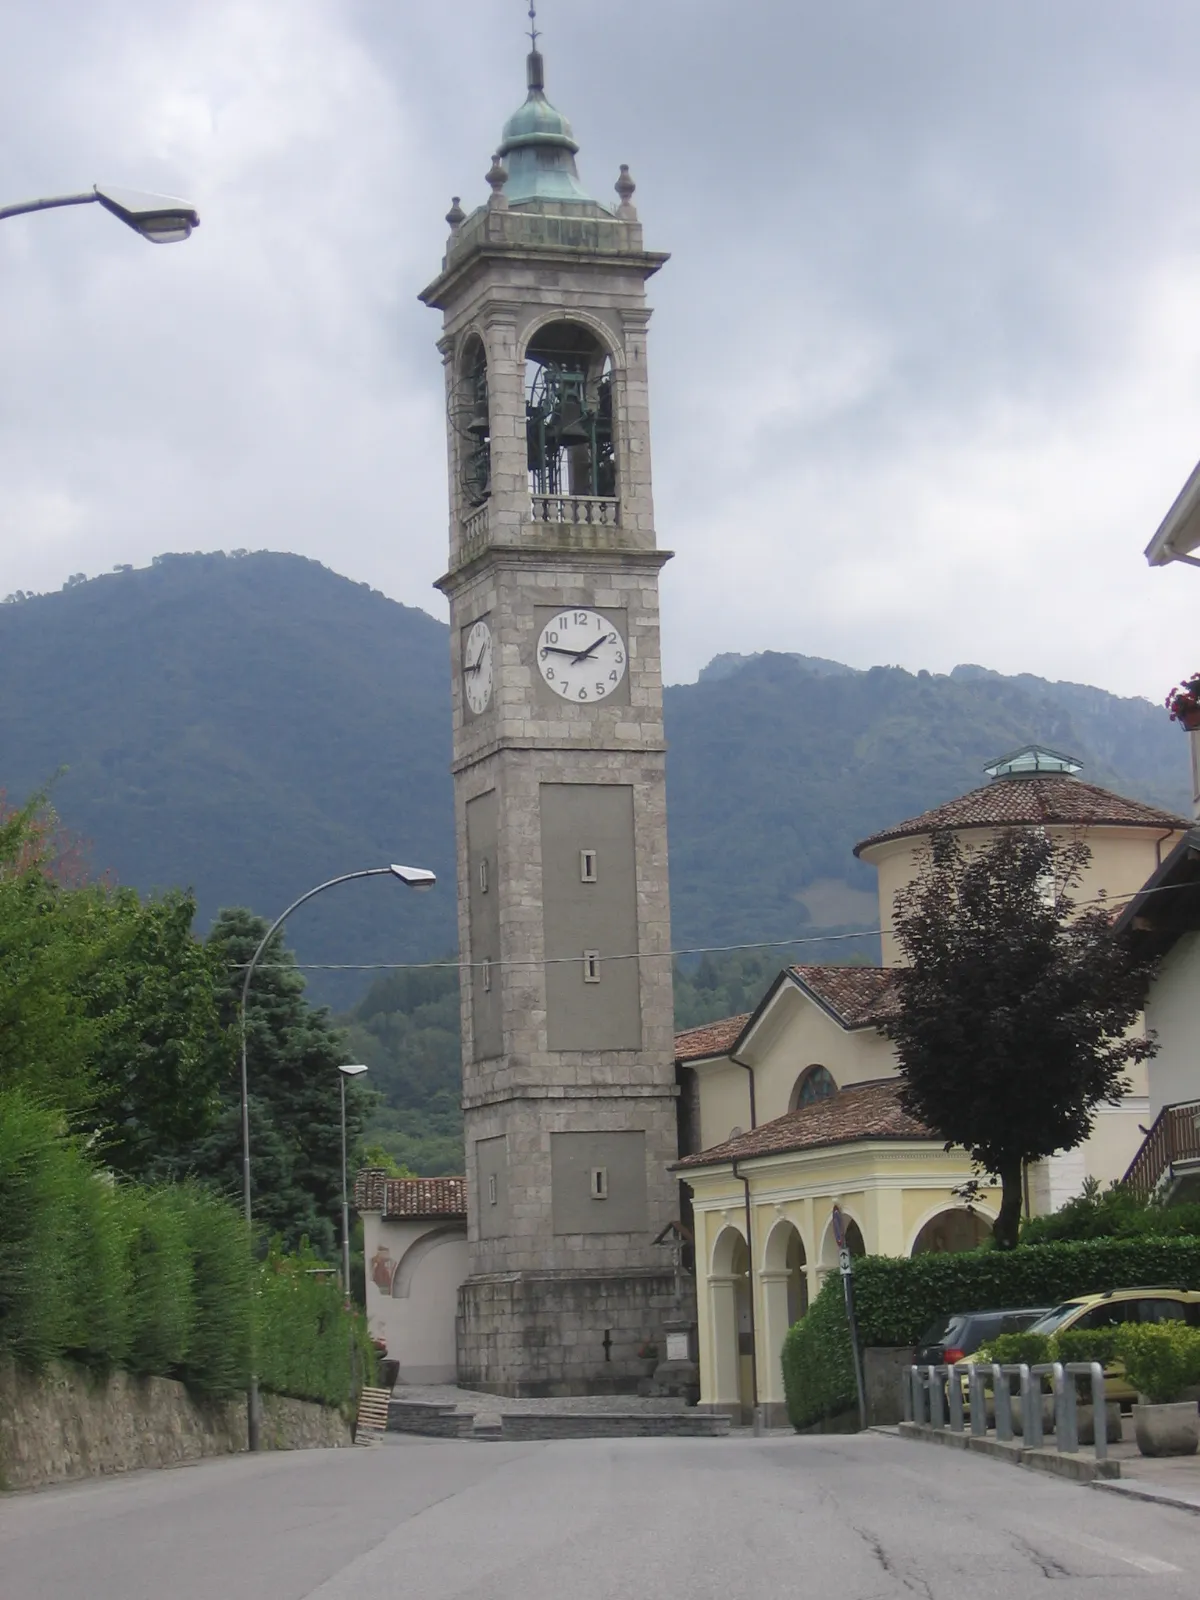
[925,361]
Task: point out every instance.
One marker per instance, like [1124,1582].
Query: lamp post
[161,218]
[343,1074]
[413,878]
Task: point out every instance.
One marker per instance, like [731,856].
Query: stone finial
[497,177]
[625,187]
[456,216]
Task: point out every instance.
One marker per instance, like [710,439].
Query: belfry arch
[571,446]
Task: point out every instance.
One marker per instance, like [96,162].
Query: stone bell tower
[568,1078]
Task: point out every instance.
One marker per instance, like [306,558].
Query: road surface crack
[914,1582]
[1050,1567]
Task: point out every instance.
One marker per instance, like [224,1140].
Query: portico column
[725,1394]
[773,1330]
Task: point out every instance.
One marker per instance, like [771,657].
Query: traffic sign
[845,1264]
[839,1228]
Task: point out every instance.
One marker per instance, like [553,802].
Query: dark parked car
[951,1338]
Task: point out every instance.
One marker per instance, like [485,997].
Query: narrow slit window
[492,1189]
[587,866]
[599,1183]
[487,976]
[591,966]
[483,875]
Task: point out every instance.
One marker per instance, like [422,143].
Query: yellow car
[1112,1310]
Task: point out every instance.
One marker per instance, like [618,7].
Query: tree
[1014,1007]
[293,1053]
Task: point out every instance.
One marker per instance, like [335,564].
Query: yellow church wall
[724,1101]
[803,1036]
[1122,860]
[889,1188]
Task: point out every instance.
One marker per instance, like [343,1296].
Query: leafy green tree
[1013,1007]
[293,1053]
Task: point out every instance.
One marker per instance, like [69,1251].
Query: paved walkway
[471,1401]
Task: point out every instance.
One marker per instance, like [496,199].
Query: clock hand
[557,650]
[596,643]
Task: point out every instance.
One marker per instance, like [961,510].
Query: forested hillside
[249,725]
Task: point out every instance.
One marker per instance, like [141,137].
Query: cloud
[925,374]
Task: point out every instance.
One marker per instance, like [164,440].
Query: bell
[573,433]
[478,423]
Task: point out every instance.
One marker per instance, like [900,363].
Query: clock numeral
[583,694]
[563,622]
[566,687]
[612,677]
[549,674]
[552,638]
[600,689]
[620,658]
[612,638]
[582,618]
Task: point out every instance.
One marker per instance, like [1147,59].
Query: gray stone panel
[491,1178]
[599,916]
[598,1182]
[483,895]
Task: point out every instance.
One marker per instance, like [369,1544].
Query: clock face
[581,655]
[477,666]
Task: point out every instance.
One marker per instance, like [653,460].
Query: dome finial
[535,71]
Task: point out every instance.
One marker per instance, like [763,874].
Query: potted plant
[1162,1361]
[1183,702]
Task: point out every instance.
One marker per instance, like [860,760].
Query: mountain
[253,724]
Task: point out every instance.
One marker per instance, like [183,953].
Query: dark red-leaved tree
[1014,1006]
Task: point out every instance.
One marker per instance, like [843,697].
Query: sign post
[846,1268]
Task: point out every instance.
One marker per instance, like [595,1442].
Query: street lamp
[343,1074]
[413,878]
[161,218]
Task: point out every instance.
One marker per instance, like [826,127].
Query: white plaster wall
[1173,1012]
[414,1269]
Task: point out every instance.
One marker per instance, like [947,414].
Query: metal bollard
[906,1396]
[954,1398]
[1031,1407]
[975,1379]
[918,1395]
[1095,1372]
[937,1411]
[1004,1426]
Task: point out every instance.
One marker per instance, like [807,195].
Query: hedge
[155,1280]
[897,1299]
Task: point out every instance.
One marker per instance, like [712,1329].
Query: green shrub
[897,1299]
[818,1366]
[1161,1359]
[1086,1344]
[308,1344]
[162,1292]
[1112,1213]
[218,1348]
[96,1225]
[1010,1349]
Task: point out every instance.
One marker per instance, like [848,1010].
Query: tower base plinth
[541,1334]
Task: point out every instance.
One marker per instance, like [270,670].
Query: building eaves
[416,1198]
[864,1112]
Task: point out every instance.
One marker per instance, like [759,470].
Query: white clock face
[477,667]
[581,655]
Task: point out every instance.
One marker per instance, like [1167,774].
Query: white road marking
[1101,1547]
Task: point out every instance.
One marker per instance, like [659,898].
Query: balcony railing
[580,509]
[1174,1137]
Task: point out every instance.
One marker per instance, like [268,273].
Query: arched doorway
[784,1280]
[947,1232]
[854,1243]
[729,1291]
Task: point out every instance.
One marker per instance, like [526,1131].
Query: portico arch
[729,1312]
[950,1229]
[784,1280]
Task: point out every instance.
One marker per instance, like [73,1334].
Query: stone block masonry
[67,1423]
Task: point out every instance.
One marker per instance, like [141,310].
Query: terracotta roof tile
[409,1197]
[1017,802]
[863,1111]
[710,1039]
[857,996]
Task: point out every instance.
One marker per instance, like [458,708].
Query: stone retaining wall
[66,1423]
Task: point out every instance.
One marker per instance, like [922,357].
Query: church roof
[865,1111]
[710,1039]
[1030,801]
[855,996]
[374,1190]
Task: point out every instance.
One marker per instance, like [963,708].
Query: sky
[925,362]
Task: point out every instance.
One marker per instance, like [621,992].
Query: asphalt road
[862,1518]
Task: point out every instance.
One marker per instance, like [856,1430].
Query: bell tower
[560,808]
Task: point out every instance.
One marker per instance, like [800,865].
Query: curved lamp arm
[161,218]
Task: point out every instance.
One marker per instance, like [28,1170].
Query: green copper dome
[538,147]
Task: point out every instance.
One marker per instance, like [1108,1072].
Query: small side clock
[477,666]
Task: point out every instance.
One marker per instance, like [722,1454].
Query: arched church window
[470,418]
[569,413]
[814,1083]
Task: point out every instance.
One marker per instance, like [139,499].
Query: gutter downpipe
[747,1068]
[756,1421]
